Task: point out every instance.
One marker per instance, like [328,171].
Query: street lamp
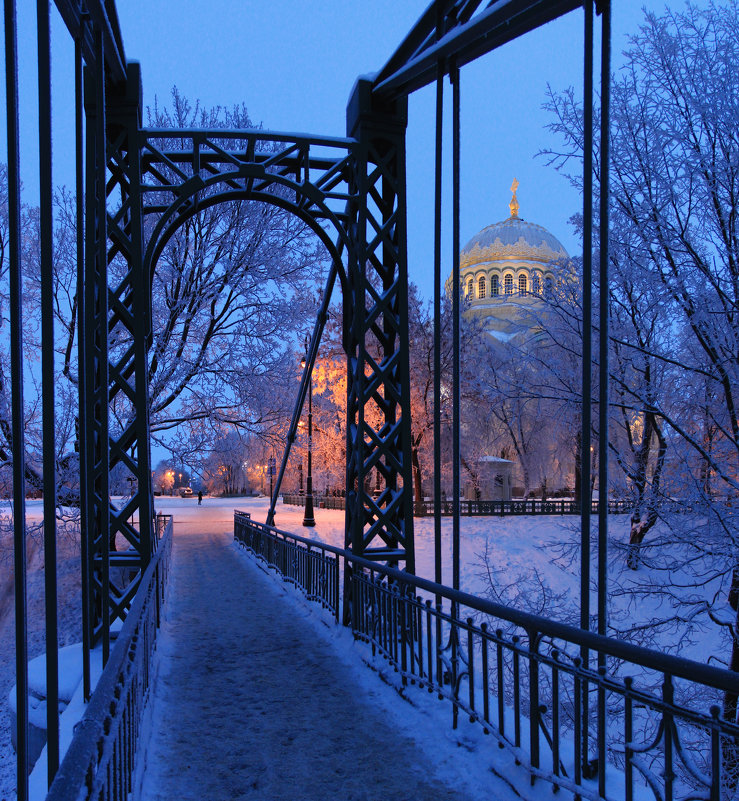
[308,518]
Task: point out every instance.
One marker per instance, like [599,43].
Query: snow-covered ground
[512,543]
[517,559]
[527,561]
[256,697]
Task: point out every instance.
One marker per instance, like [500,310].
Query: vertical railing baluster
[384,639]
[715,755]
[578,722]
[429,647]
[402,601]
[628,738]
[602,722]
[384,620]
[418,637]
[336,587]
[534,710]
[668,723]
[485,676]
[398,621]
[516,692]
[555,716]
[439,646]
[471,668]
[391,620]
[501,680]
[359,608]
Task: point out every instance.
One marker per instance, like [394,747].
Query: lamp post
[308,518]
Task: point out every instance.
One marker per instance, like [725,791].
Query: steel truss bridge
[134,188]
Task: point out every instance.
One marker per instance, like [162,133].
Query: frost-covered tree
[675,288]
[674,185]
[230,290]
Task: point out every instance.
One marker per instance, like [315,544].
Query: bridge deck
[250,703]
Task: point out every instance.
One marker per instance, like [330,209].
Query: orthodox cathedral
[507,270]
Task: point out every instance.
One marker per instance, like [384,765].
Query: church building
[507,270]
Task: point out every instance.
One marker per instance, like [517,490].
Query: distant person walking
[200,497]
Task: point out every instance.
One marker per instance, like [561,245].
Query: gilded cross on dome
[513,205]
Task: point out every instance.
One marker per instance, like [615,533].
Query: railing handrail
[680,667]
[82,751]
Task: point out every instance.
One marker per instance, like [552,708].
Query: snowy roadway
[259,696]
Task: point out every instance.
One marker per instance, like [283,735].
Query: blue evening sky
[294,64]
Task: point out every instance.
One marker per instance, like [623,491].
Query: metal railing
[308,564]
[654,725]
[319,501]
[468,508]
[99,763]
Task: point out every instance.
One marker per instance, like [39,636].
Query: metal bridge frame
[128,175]
[168,176]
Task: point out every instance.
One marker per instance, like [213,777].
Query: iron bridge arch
[155,180]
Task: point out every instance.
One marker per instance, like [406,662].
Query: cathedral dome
[513,239]
[508,273]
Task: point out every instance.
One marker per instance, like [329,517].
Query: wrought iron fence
[468,508]
[319,501]
[654,725]
[99,763]
[308,564]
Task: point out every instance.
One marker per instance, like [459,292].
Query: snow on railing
[597,716]
[100,761]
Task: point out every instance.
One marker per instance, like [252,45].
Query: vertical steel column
[438,166]
[130,317]
[16,382]
[94,434]
[47,385]
[376,335]
[587,360]
[603,392]
[456,361]
[117,307]
[79,119]
[456,412]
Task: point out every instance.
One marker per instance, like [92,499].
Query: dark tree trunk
[644,515]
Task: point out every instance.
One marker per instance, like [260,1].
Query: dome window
[508,284]
[481,287]
[548,289]
[494,288]
[522,285]
[470,288]
[536,284]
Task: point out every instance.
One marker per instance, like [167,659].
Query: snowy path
[252,702]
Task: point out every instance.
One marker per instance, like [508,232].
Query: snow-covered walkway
[252,701]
